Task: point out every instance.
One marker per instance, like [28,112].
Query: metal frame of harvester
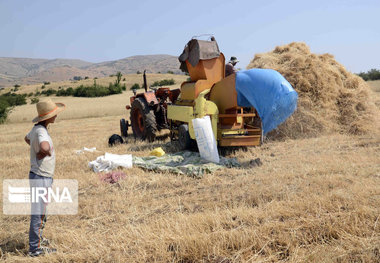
[208,92]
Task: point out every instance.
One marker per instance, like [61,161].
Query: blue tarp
[269,93]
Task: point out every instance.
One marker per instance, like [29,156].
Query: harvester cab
[209,93]
[148,111]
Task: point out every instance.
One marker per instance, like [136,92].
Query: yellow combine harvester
[209,93]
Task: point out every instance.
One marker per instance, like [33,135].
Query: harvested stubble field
[312,200]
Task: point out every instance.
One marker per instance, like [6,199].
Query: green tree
[373,74]
[118,78]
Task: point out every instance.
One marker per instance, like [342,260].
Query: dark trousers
[38,216]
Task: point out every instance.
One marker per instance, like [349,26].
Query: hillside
[14,70]
[29,71]
[152,63]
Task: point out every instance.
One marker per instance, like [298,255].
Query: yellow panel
[205,107]
[191,130]
[180,113]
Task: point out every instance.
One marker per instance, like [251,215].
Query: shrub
[61,92]
[113,89]
[49,92]
[135,86]
[77,78]
[7,101]
[164,82]
[86,77]
[4,109]
[34,100]
[46,83]
[30,94]
[138,72]
[14,99]
[69,91]
[17,86]
[43,86]
[65,92]
[170,72]
[91,91]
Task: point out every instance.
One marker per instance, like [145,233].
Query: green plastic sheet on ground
[188,163]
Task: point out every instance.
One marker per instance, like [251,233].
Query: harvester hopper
[209,93]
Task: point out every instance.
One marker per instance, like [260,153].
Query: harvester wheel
[123,128]
[143,121]
[184,140]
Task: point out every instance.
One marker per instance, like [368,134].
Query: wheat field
[311,200]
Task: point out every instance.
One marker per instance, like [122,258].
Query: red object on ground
[112,177]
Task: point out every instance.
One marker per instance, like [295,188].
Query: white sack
[205,139]
[110,161]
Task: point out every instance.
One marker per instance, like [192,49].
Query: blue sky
[98,31]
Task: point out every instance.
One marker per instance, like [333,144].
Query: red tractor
[148,112]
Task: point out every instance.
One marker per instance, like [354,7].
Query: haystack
[331,99]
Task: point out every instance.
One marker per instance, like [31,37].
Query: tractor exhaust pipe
[145,85]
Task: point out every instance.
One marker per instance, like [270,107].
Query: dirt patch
[331,99]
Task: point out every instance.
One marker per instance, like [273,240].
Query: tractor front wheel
[123,128]
[143,120]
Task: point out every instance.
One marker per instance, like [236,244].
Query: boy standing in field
[42,162]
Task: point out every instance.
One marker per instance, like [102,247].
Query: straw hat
[47,109]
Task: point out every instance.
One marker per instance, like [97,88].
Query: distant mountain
[30,70]
[152,63]
[59,73]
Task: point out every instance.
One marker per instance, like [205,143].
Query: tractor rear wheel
[143,120]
